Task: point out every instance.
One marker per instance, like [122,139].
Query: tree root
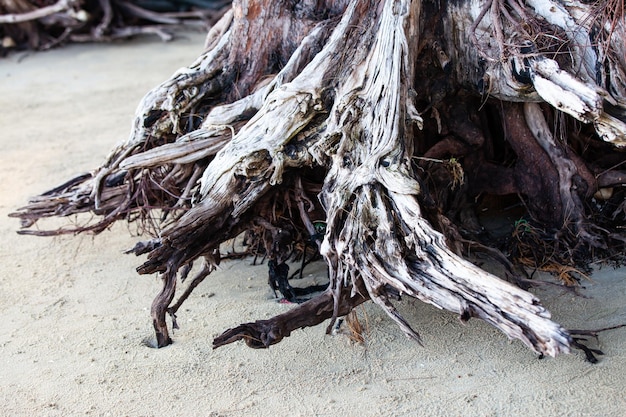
[329,108]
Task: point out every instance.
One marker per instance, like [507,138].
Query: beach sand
[75,328]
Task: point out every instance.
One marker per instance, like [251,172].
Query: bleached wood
[342,103]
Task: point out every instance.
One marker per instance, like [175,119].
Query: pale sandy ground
[74,316]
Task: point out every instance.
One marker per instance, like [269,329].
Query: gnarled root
[264,333]
[329,107]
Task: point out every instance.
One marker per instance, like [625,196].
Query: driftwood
[43,24]
[393,123]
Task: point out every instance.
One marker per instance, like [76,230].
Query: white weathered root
[188,149]
[402,252]
[591,88]
[158,143]
[375,237]
[375,230]
[509,56]
[584,101]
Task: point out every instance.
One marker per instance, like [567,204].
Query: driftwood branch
[28,24]
[58,7]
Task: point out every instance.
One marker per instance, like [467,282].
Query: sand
[75,329]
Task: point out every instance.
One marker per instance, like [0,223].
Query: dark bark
[264,333]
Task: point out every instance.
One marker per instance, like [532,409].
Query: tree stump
[391,122]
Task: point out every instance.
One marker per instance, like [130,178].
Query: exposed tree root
[390,123]
[264,333]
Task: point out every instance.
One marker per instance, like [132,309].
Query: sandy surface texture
[75,328]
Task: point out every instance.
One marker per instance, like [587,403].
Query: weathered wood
[39,25]
[362,246]
[59,6]
[398,116]
[264,333]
